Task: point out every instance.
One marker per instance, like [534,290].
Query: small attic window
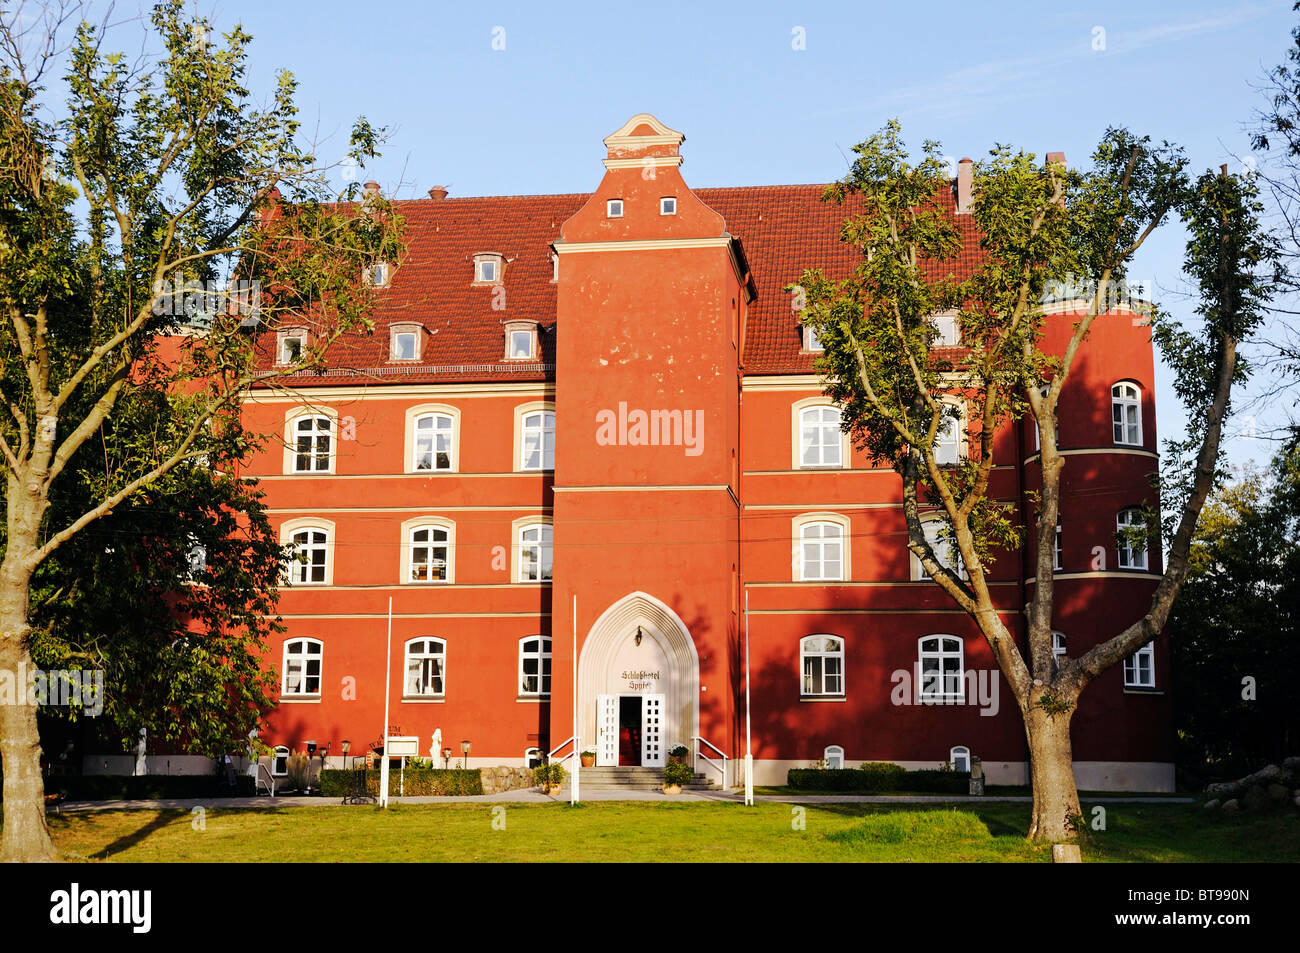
[614,208]
[404,343]
[488,269]
[521,341]
[292,344]
[668,205]
[811,342]
[378,274]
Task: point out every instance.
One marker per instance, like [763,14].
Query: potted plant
[589,757]
[678,753]
[549,777]
[675,775]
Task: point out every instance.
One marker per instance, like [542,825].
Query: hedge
[98,787]
[878,777]
[419,782]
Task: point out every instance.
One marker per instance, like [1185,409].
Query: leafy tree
[1040,229]
[147,177]
[1236,658]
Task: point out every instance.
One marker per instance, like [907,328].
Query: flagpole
[577,754]
[388,674]
[749,757]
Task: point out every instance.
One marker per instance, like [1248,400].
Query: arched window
[1058,644]
[834,757]
[428,553]
[941,662]
[434,442]
[821,441]
[942,544]
[1132,549]
[534,758]
[426,668]
[1126,413]
[302,668]
[535,665]
[311,441]
[309,562]
[821,658]
[535,552]
[1140,668]
[536,443]
[821,551]
[280,761]
[959,758]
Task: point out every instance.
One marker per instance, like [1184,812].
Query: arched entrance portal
[638,683]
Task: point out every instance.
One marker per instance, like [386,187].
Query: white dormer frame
[281,342]
[808,340]
[522,327]
[394,330]
[378,275]
[498,263]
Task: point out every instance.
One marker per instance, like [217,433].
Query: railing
[560,747]
[715,763]
[269,783]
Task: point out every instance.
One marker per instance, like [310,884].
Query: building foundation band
[592,423]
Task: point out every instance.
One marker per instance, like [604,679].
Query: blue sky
[756,110]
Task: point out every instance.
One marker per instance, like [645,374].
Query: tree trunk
[25,837]
[1056,799]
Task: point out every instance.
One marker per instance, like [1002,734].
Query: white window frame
[522,430]
[480,276]
[410,690]
[613,208]
[820,655]
[543,657]
[1126,557]
[414,432]
[1038,437]
[944,652]
[283,338]
[799,563]
[958,439]
[531,754]
[811,343]
[1126,396]
[377,275]
[1134,670]
[291,434]
[522,547]
[1058,550]
[668,205]
[1059,644]
[525,328]
[303,657]
[398,330]
[409,544]
[833,755]
[307,524]
[957,752]
[933,537]
[280,762]
[947,328]
[800,411]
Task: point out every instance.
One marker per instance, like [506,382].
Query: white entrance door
[607,730]
[652,742]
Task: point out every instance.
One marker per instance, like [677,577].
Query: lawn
[678,832]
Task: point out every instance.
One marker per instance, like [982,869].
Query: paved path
[530,796]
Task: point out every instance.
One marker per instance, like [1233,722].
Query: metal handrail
[567,741]
[712,762]
[257,778]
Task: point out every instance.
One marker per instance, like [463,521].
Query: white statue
[140,768]
[435,749]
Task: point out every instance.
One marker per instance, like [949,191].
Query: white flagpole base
[749,780]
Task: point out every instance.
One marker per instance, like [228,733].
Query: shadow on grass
[157,823]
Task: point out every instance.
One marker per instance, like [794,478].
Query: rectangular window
[487,270]
[1140,668]
[521,345]
[291,348]
[405,346]
[668,206]
[614,208]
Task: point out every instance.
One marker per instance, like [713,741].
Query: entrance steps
[634,779]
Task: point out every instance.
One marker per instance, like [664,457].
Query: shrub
[419,782]
[547,774]
[677,773]
[878,777]
[93,787]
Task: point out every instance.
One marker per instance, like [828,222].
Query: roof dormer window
[377,275]
[810,340]
[404,342]
[614,208]
[291,346]
[489,269]
[521,341]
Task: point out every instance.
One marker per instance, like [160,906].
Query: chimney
[964,178]
[438,192]
[1056,158]
[372,188]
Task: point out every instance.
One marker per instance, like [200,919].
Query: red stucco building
[595,419]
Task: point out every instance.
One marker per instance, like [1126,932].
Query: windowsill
[435,472]
[534,699]
[427,582]
[1139,690]
[817,582]
[533,582]
[423,699]
[822,698]
[821,467]
[299,699]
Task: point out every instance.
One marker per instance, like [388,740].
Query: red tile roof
[783,229]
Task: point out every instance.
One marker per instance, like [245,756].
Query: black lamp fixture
[638,636]
[311,748]
[446,757]
[464,750]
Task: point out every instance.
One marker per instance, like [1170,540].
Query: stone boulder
[1231,806]
[1277,793]
[1225,789]
[1255,798]
[1211,804]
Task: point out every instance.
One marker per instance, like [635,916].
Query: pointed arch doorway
[638,683]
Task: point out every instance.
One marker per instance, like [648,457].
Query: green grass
[677,832]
